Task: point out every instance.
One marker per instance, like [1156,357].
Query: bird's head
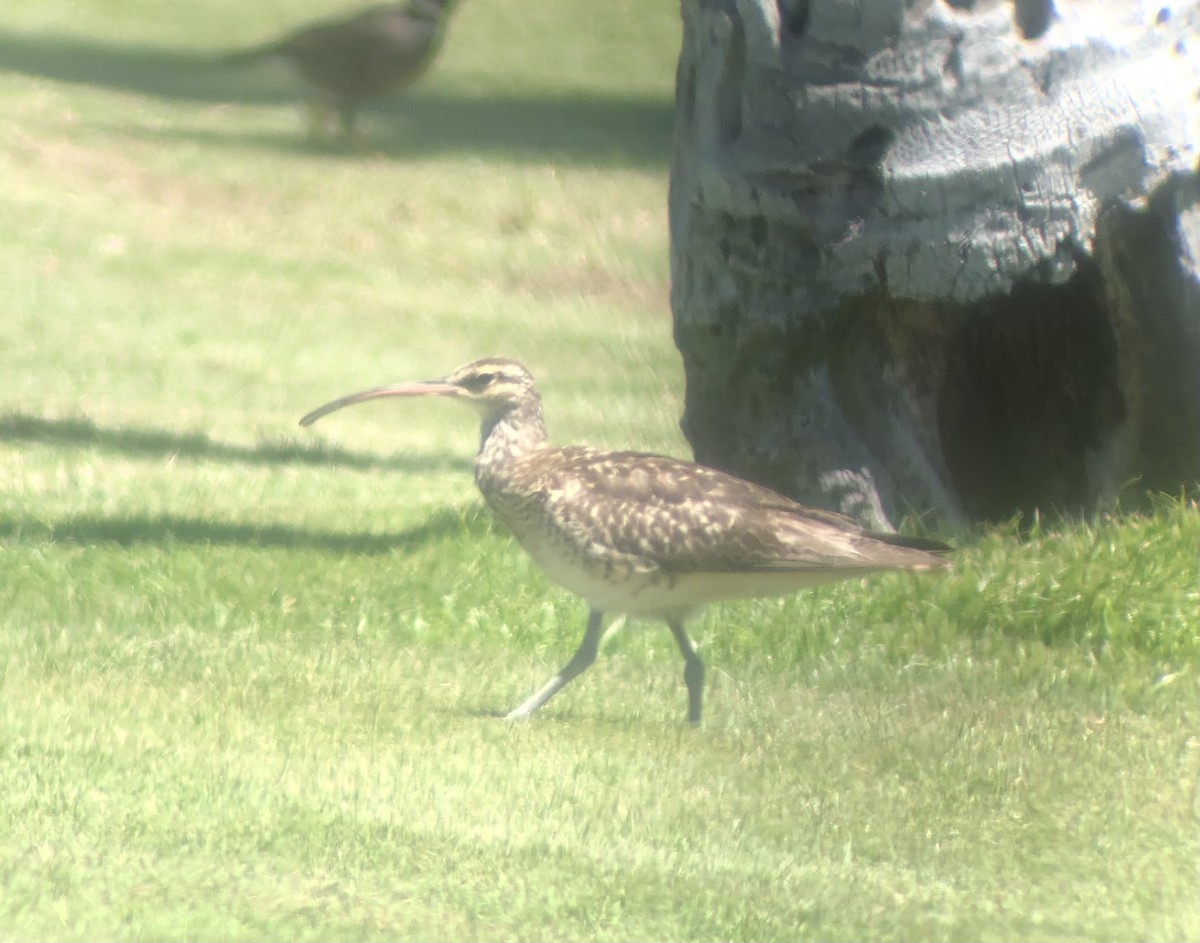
[494,386]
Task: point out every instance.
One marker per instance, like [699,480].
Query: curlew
[641,534]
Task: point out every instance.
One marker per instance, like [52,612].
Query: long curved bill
[422,388]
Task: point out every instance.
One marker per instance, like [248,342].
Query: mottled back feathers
[680,517]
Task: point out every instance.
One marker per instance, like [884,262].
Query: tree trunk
[940,256]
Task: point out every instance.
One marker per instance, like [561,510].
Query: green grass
[250,673]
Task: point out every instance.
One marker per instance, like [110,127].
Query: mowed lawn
[250,674]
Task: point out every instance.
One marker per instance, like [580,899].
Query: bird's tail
[914,543]
[245,57]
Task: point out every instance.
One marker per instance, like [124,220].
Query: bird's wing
[388,27]
[687,518]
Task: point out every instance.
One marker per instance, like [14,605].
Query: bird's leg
[583,657]
[693,671]
[316,114]
[347,114]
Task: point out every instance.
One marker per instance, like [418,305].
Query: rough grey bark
[940,255]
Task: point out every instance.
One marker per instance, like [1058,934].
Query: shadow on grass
[16,427]
[167,529]
[573,127]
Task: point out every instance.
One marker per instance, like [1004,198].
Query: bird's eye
[477,383]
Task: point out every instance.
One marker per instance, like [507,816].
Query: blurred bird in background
[348,60]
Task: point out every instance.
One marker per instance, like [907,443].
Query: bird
[353,58]
[645,535]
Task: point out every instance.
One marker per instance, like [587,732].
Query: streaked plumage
[643,534]
[350,59]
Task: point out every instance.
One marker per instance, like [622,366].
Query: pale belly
[619,588]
